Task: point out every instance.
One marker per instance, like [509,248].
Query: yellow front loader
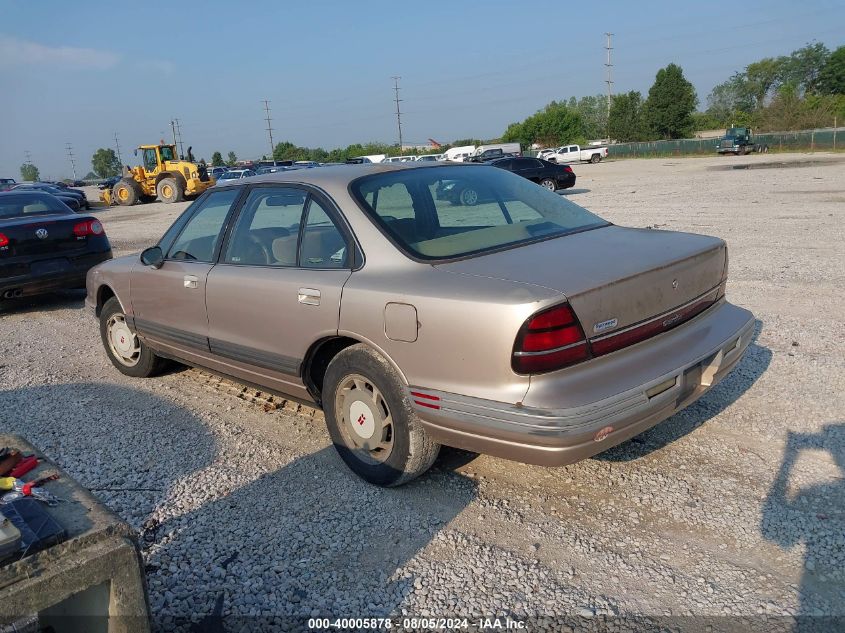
[161,175]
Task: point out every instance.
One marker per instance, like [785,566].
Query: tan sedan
[522,326]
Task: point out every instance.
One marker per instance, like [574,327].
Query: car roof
[26,192]
[339,175]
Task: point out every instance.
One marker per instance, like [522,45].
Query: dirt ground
[733,507]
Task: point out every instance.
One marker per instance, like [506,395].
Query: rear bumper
[72,277]
[566,181]
[701,353]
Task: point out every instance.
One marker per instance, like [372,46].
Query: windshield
[230,175]
[21,204]
[451,211]
[166,152]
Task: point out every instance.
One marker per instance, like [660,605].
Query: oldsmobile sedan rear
[522,326]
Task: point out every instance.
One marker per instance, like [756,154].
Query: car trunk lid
[42,235]
[613,277]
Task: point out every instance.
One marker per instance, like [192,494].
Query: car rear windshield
[20,204]
[437,213]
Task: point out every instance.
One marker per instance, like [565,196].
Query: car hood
[611,274]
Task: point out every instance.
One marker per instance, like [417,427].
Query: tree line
[802,90]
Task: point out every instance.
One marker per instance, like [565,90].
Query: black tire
[412,450]
[148,364]
[595,158]
[126,192]
[549,183]
[468,197]
[170,190]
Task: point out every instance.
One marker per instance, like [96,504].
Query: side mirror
[152,256]
[136,152]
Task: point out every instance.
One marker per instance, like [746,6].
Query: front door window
[150,160]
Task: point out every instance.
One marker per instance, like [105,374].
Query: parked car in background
[527,327]
[108,183]
[575,154]
[235,174]
[67,192]
[7,183]
[458,154]
[429,158]
[399,159]
[269,170]
[495,150]
[306,163]
[44,245]
[68,199]
[544,173]
[545,153]
[216,172]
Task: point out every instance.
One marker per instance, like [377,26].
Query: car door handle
[190,281]
[309,296]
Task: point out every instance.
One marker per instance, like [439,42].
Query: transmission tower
[398,113]
[28,157]
[609,65]
[179,134]
[69,149]
[117,145]
[269,126]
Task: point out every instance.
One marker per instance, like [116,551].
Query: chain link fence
[821,139]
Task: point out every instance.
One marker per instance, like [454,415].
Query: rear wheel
[125,192]
[123,347]
[549,184]
[371,422]
[469,197]
[170,190]
[595,158]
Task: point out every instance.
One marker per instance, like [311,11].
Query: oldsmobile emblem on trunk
[605,325]
[675,284]
[42,234]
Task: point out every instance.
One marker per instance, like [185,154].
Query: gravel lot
[732,507]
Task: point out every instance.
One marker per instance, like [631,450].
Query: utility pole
[609,65]
[69,149]
[179,134]
[173,128]
[269,127]
[117,145]
[28,157]
[398,113]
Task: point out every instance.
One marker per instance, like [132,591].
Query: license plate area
[49,266]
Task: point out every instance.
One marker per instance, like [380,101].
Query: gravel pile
[732,507]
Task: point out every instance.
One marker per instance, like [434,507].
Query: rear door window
[267,230]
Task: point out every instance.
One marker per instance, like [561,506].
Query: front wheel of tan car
[371,422]
[123,347]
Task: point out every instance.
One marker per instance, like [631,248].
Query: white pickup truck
[574,154]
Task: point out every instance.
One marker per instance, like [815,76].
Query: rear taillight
[551,339]
[567,169]
[4,241]
[89,227]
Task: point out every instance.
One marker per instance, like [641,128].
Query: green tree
[730,98]
[803,67]
[29,172]
[667,112]
[593,112]
[553,125]
[703,121]
[832,76]
[233,159]
[217,159]
[105,163]
[626,122]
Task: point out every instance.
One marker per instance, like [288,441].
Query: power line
[69,149]
[269,127]
[117,145]
[398,113]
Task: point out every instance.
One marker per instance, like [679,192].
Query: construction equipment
[161,175]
